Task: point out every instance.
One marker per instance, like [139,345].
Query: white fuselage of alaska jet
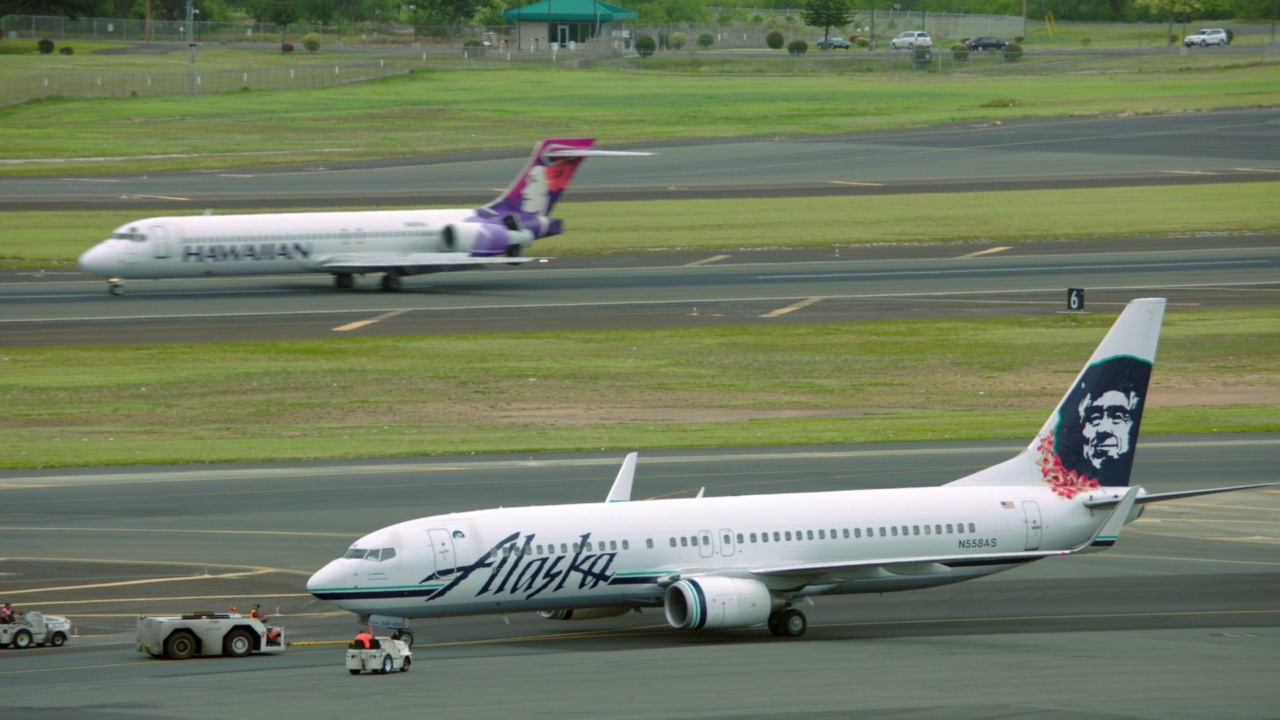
[737,562]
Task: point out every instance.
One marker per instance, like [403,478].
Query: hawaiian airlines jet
[736,562]
[394,243]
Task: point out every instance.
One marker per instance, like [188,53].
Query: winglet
[1110,530]
[621,490]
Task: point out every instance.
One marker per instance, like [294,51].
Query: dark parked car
[833,42]
[986,42]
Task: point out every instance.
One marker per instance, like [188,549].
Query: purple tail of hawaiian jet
[527,203]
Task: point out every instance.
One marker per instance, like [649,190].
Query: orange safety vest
[364,640]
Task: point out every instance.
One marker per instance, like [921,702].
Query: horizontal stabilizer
[1159,497]
[575,152]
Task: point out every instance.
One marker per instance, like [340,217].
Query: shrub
[797,47]
[705,40]
[45,46]
[960,52]
[1013,52]
[677,40]
[1086,41]
[66,50]
[862,42]
[1018,38]
[774,40]
[286,47]
[645,46]
[311,42]
[1173,38]
[922,56]
[471,42]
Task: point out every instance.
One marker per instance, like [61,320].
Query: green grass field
[794,384]
[55,239]
[782,385]
[446,111]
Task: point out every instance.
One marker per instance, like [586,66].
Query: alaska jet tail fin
[543,180]
[1090,439]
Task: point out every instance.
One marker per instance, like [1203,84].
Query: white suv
[911,39]
[1206,37]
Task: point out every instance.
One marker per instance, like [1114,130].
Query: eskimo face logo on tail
[1094,440]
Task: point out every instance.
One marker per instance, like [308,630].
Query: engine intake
[484,239]
[707,603]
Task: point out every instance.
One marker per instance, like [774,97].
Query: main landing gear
[788,623]
[347,281]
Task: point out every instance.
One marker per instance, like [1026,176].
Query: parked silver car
[1208,36]
[911,39]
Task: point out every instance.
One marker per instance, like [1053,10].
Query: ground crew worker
[256,613]
[6,614]
[364,639]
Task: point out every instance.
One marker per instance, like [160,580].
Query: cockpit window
[375,555]
[129,235]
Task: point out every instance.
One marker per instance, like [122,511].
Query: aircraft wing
[413,263]
[824,573]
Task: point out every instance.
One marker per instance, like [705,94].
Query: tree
[827,13]
[65,8]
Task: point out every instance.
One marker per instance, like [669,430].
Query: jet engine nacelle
[706,603]
[584,613]
[484,239]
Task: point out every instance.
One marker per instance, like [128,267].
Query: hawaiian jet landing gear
[344,281]
[390,282]
[115,286]
[788,623]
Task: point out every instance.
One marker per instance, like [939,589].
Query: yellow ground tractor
[207,634]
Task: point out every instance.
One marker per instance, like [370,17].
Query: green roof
[570,11]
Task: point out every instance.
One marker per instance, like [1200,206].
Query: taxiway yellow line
[988,251]
[361,323]
[707,261]
[792,308]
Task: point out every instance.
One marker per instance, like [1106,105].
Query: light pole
[414,8]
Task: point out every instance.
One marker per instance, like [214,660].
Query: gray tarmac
[1239,145]
[663,290]
[1180,620]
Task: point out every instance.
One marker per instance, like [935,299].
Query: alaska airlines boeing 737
[736,562]
[392,242]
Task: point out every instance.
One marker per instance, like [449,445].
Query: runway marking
[1265,284]
[1216,561]
[174,598]
[361,323]
[235,175]
[988,251]
[1257,170]
[161,197]
[707,261]
[1061,268]
[184,531]
[101,180]
[856,184]
[793,307]
[147,581]
[1190,172]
